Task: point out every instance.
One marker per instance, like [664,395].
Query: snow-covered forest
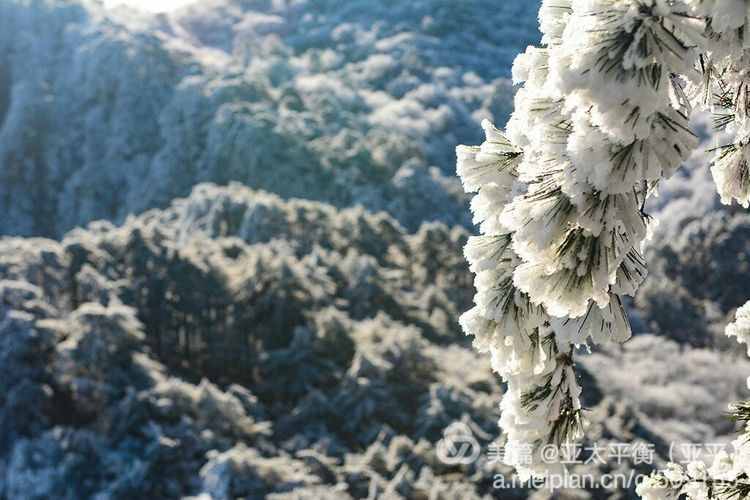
[232,257]
[361,104]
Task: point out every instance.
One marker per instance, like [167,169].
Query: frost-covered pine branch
[542,403]
[602,117]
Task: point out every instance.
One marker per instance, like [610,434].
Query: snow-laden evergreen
[602,118]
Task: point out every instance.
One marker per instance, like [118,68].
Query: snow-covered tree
[601,119]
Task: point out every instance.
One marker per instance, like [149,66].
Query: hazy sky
[150,5]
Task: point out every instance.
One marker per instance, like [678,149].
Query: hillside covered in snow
[236,345]
[105,113]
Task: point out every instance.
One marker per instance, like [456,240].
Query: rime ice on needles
[601,118]
[542,404]
[495,161]
[731,173]
[725,89]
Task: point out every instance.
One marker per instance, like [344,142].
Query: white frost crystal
[732,174]
[741,326]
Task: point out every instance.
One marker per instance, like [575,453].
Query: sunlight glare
[150,5]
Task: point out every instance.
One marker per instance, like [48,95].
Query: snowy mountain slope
[238,345]
[107,113]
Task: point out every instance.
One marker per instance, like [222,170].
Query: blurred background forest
[231,256]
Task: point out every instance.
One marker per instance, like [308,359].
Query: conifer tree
[601,119]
